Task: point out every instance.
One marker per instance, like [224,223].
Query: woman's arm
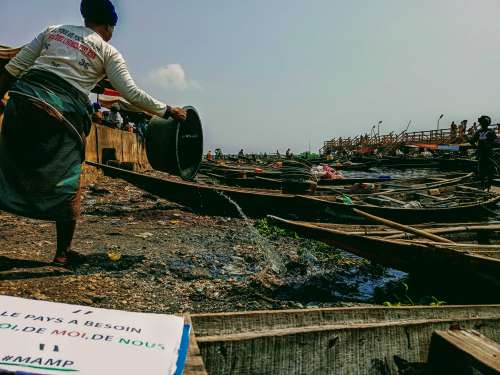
[120,78]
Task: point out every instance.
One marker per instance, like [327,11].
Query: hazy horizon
[269,75]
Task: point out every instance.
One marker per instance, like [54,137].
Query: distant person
[218,154]
[288,154]
[97,116]
[463,128]
[210,157]
[426,153]
[484,140]
[241,154]
[141,127]
[471,130]
[115,119]
[453,130]
[125,122]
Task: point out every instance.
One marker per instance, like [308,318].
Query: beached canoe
[358,340]
[259,182]
[223,200]
[478,265]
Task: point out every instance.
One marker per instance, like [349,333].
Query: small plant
[406,288]
[267,229]
[400,297]
[436,302]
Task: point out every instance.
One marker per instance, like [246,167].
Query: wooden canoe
[259,182]
[359,340]
[478,265]
[221,200]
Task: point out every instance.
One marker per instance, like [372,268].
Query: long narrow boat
[384,185]
[478,265]
[222,200]
[259,182]
[358,340]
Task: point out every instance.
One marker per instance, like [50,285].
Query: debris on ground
[142,253]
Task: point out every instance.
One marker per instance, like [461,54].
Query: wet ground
[141,253]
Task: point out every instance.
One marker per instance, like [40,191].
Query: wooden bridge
[393,141]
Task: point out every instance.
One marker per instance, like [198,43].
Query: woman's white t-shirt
[81,57]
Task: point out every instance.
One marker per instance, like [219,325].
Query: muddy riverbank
[141,253]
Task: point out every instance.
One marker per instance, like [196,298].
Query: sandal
[60,261]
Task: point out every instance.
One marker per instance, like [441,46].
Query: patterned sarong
[42,148]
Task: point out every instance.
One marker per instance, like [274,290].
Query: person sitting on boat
[484,140]
[48,116]
[210,157]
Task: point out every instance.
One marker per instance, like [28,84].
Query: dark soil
[173,260]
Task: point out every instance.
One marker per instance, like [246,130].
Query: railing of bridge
[441,136]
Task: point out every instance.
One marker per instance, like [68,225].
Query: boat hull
[331,341]
[220,200]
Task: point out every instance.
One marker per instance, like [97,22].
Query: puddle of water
[261,242]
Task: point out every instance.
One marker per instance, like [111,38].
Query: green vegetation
[308,155]
[398,294]
[267,229]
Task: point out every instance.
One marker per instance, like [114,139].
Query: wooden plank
[459,351]
[194,362]
[210,324]
[406,228]
[353,347]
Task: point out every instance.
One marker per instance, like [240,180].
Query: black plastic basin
[176,147]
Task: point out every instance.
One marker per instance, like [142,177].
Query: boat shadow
[7,264]
[81,265]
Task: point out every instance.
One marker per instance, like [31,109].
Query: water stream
[266,247]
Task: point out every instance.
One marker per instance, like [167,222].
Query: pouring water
[262,243]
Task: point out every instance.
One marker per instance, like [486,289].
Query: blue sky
[272,74]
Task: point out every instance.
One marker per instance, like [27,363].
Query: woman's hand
[177,113]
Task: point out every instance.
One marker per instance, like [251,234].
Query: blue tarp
[449,147]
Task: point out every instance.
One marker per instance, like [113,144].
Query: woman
[46,120]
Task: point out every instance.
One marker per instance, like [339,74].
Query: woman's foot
[60,261]
[65,258]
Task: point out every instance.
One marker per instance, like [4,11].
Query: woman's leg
[65,231]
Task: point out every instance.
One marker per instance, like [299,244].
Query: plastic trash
[114,255]
[346,199]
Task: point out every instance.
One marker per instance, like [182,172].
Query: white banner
[52,338]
